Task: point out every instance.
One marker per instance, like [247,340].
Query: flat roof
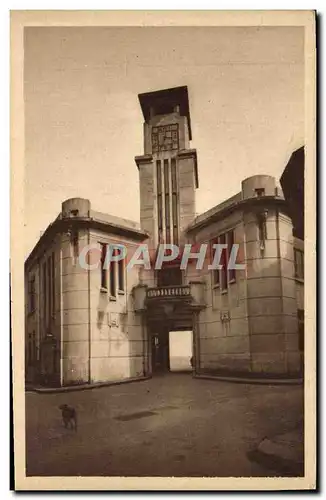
[176,96]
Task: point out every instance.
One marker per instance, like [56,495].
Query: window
[260,192]
[45,297]
[170,276]
[224,276]
[104,284]
[32,350]
[75,246]
[53,283]
[29,356]
[50,290]
[216,272]
[230,242]
[174,201]
[298,263]
[121,275]
[159,200]
[224,263]
[31,295]
[167,201]
[262,229]
[301,329]
[113,286]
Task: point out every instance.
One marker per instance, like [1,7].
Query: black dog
[69,416]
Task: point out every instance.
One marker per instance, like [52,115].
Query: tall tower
[168,168]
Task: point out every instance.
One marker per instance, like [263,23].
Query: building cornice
[244,205]
[143,160]
[67,224]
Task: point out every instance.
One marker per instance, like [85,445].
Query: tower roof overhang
[176,96]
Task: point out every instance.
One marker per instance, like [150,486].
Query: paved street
[171,425]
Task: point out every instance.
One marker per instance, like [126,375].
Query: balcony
[187,297]
[169,292]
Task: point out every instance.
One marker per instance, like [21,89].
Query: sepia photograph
[166,249]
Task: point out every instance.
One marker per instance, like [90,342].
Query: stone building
[88,324]
[292,182]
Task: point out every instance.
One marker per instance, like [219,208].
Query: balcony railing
[176,291]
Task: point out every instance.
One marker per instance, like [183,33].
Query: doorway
[172,351]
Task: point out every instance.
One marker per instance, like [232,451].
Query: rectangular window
[49,292]
[174,201]
[222,277]
[167,201]
[224,263]
[299,263]
[260,192]
[301,329]
[169,277]
[262,229]
[113,285]
[230,242]
[121,275]
[31,295]
[104,283]
[75,247]
[159,200]
[53,283]
[30,350]
[34,348]
[216,272]
[45,299]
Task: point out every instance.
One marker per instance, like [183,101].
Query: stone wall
[222,327]
[118,336]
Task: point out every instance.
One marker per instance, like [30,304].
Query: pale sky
[83,123]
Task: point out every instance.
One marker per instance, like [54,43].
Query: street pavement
[171,425]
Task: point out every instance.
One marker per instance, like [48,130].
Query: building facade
[89,323]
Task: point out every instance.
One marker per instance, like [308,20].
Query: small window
[224,264]
[262,229]
[216,272]
[298,263]
[104,284]
[53,283]
[301,329]
[32,349]
[31,295]
[113,286]
[75,246]
[230,242]
[29,356]
[44,292]
[121,275]
[260,192]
